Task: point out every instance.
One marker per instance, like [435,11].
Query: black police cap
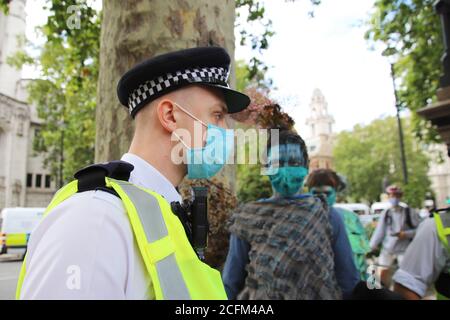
[162,74]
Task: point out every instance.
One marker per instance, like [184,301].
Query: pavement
[9,273]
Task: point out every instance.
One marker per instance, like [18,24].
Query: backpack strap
[408,218]
[388,217]
[93,176]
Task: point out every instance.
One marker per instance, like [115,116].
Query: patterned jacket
[291,255]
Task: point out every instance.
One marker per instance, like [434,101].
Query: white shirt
[424,260]
[85,247]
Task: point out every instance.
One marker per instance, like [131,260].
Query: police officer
[111,234]
[427,260]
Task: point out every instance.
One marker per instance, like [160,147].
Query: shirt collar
[145,175]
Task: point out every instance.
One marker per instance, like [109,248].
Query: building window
[38,180]
[29,180]
[47,181]
[37,133]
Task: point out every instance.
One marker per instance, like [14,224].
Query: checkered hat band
[153,87]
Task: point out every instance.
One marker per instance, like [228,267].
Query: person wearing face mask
[111,233]
[280,247]
[428,209]
[395,230]
[326,183]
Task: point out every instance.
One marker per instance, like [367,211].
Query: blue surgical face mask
[394,201]
[328,192]
[205,162]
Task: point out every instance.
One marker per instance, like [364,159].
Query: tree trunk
[135,30]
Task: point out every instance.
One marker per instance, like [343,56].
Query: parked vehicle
[16,227]
[358,208]
[379,207]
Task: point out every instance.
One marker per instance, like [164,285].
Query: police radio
[193,215]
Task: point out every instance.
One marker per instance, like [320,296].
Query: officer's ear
[165,113]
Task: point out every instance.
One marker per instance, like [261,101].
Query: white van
[361,209]
[379,207]
[358,208]
[16,226]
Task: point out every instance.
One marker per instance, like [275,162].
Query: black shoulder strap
[93,176]
[408,218]
[387,217]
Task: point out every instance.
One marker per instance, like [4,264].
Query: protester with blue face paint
[280,247]
[396,229]
[348,233]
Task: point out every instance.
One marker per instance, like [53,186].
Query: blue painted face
[327,191]
[288,180]
[287,170]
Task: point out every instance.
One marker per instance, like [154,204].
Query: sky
[328,52]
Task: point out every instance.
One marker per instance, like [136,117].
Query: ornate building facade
[439,174]
[23,179]
[320,137]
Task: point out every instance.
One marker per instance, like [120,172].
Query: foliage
[369,154]
[65,93]
[244,80]
[251,184]
[411,33]
[272,117]
[4,6]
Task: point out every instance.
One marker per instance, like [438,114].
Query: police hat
[159,75]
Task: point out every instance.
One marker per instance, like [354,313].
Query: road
[9,273]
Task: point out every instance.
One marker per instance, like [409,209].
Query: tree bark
[135,30]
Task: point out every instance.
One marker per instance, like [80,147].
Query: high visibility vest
[443,230]
[170,260]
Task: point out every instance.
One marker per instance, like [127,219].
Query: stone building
[319,139]
[439,174]
[23,179]
[320,142]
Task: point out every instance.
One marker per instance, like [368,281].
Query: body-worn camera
[193,215]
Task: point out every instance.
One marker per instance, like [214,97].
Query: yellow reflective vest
[443,230]
[170,260]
